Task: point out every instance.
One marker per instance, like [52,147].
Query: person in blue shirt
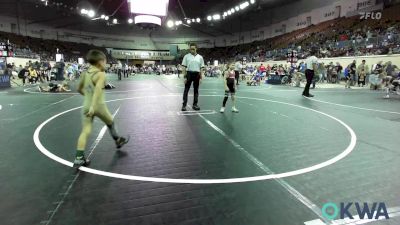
[347,76]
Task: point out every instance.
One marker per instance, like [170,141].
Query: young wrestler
[91,86]
[230,88]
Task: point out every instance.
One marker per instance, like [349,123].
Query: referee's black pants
[119,74]
[237,73]
[309,77]
[192,77]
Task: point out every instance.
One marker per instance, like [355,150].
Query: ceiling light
[216,17]
[232,10]
[244,5]
[106,18]
[177,23]
[188,21]
[193,20]
[237,8]
[170,23]
[225,14]
[130,20]
[115,21]
[209,18]
[252,1]
[103,16]
[198,20]
[91,13]
[84,11]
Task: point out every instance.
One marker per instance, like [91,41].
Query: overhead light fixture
[115,21]
[252,1]
[188,21]
[232,10]
[103,16]
[170,23]
[91,13]
[244,5]
[209,18]
[193,20]
[130,20]
[198,20]
[225,14]
[84,11]
[176,23]
[216,17]
[106,18]
[237,8]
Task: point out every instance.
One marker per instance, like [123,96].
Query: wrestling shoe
[78,162]
[235,110]
[196,108]
[122,141]
[184,109]
[222,110]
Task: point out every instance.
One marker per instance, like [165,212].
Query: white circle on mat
[342,155]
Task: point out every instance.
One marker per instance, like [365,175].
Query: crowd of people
[340,37]
[43,72]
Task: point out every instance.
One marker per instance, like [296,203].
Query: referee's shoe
[195,108]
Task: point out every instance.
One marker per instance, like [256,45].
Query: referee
[193,65]
[238,69]
[312,66]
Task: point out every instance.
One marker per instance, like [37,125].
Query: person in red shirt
[262,68]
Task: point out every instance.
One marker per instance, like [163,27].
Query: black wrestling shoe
[81,162]
[196,108]
[308,96]
[122,141]
[184,109]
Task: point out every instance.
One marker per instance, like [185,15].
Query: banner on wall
[362,4]
[144,55]
[4,76]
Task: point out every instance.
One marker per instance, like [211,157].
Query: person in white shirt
[311,68]
[126,69]
[119,70]
[193,70]
[238,69]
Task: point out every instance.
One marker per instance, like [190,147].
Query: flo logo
[370,15]
[364,210]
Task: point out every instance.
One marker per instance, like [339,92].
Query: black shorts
[231,86]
